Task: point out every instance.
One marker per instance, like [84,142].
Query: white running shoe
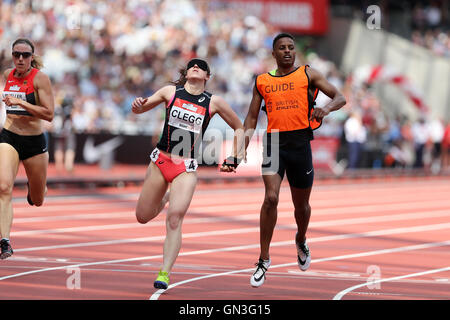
[259,276]
[303,255]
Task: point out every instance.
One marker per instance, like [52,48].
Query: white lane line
[439,226]
[86,216]
[384,218]
[144,239]
[60,203]
[237,231]
[157,294]
[62,208]
[318,209]
[438,185]
[282,213]
[341,294]
[197,252]
[317,212]
[376,187]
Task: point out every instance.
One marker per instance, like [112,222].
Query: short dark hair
[279,36]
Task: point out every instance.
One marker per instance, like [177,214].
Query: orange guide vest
[288,100]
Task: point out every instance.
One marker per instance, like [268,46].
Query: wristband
[232,162]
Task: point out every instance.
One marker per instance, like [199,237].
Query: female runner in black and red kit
[189,109]
[28,100]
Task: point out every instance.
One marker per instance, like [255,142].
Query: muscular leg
[9,165]
[300,198]
[36,169]
[268,214]
[182,190]
[151,200]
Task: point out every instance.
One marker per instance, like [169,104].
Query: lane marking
[157,294]
[246,230]
[417,274]
[248,217]
[369,188]
[252,203]
[237,231]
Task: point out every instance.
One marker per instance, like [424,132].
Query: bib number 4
[191,165]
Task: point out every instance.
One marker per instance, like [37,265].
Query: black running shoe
[7,250]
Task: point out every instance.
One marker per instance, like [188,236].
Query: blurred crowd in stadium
[427,25]
[101,55]
[429,29]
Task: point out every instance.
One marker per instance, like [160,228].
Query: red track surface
[360,231]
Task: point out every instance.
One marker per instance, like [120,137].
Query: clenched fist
[137,105]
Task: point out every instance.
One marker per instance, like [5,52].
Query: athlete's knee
[38,202]
[174,219]
[141,220]
[141,217]
[303,209]
[271,200]
[307,208]
[6,187]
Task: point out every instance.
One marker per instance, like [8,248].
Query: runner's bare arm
[141,105]
[320,82]
[221,107]
[252,117]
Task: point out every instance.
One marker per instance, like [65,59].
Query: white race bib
[186,115]
[20,95]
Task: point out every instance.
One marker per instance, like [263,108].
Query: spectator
[106,54]
[397,156]
[420,133]
[63,132]
[109,53]
[436,130]
[355,134]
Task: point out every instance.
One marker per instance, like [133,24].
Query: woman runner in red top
[188,111]
[28,100]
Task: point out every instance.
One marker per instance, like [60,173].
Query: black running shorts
[26,146]
[296,162]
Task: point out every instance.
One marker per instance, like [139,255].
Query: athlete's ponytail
[37,60]
[182,79]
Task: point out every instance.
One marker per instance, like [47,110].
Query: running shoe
[303,255]
[162,282]
[6,248]
[259,276]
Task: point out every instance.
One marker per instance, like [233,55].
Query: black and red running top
[21,88]
[187,117]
